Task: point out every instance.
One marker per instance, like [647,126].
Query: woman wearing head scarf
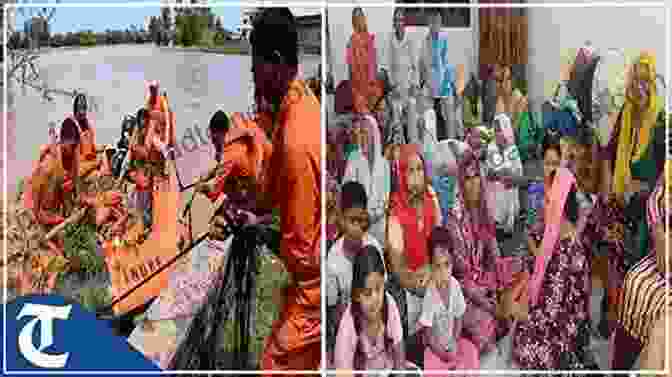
[368,166]
[553,314]
[150,144]
[361,57]
[89,162]
[414,212]
[540,193]
[503,159]
[473,229]
[52,192]
[626,154]
[640,330]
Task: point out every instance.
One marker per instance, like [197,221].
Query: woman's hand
[566,71]
[437,281]
[215,262]
[505,304]
[422,277]
[218,228]
[521,309]
[203,187]
[615,232]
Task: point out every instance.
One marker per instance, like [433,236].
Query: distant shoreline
[232,48]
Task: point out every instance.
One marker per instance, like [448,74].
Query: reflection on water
[197,85]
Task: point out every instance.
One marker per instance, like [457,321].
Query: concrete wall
[553,34]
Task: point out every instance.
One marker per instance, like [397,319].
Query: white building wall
[552,32]
[461,41]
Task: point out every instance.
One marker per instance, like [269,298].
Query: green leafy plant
[191,29]
[80,246]
[94,298]
[219,39]
[87,39]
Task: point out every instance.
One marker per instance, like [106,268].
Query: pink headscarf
[562,186]
[373,149]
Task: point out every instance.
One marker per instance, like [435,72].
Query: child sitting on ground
[370,333]
[354,225]
[442,311]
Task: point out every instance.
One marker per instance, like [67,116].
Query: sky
[100,19]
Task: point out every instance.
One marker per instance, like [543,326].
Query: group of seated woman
[416,278]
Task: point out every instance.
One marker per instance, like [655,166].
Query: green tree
[199,28]
[220,38]
[87,39]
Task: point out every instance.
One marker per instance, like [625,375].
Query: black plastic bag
[232,298]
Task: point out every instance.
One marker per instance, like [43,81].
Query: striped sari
[643,298]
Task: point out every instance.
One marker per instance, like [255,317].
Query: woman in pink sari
[553,316]
[476,253]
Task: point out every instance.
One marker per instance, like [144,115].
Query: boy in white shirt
[354,226]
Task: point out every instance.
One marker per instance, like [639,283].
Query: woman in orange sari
[92,167]
[151,142]
[363,65]
[88,158]
[51,193]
